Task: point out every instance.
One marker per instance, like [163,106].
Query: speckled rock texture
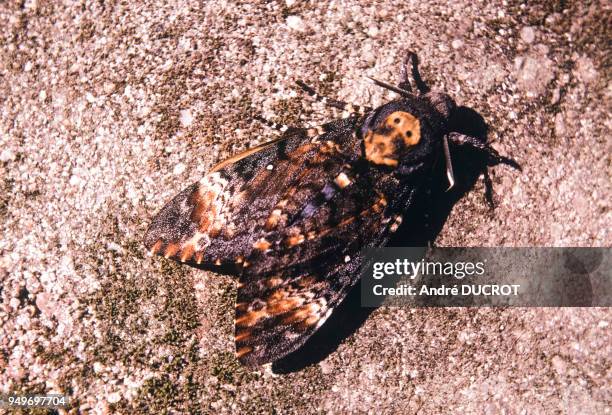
[108,108]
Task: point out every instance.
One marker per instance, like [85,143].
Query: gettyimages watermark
[489,277]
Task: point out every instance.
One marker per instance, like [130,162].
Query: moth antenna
[344,106]
[388,86]
[275,126]
[449,164]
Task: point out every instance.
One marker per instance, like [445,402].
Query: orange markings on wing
[306,281]
[251,318]
[273,219]
[329,147]
[171,250]
[244,334]
[277,295]
[215,229]
[157,246]
[342,180]
[300,151]
[307,323]
[187,253]
[262,244]
[274,282]
[376,208]
[284,306]
[243,350]
[295,240]
[312,320]
[204,212]
[208,204]
[302,313]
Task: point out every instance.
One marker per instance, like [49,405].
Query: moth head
[442,103]
[407,130]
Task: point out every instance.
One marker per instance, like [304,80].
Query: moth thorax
[392,138]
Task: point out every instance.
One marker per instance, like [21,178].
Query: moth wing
[279,309]
[215,222]
[186,226]
[277,313]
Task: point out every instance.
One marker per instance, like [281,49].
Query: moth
[291,217]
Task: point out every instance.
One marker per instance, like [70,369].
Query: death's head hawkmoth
[291,217]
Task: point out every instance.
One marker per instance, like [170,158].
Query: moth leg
[488,184]
[427,219]
[344,106]
[410,66]
[493,157]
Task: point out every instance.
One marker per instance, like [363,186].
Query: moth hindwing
[291,217]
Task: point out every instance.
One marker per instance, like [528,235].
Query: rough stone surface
[107,109]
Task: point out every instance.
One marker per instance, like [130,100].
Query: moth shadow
[420,227]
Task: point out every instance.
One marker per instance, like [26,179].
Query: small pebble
[179,169]
[559,365]
[109,87]
[7,155]
[186,118]
[560,125]
[457,44]
[296,23]
[114,397]
[373,31]
[527,34]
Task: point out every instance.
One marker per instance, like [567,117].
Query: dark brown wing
[206,212]
[278,312]
[289,202]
